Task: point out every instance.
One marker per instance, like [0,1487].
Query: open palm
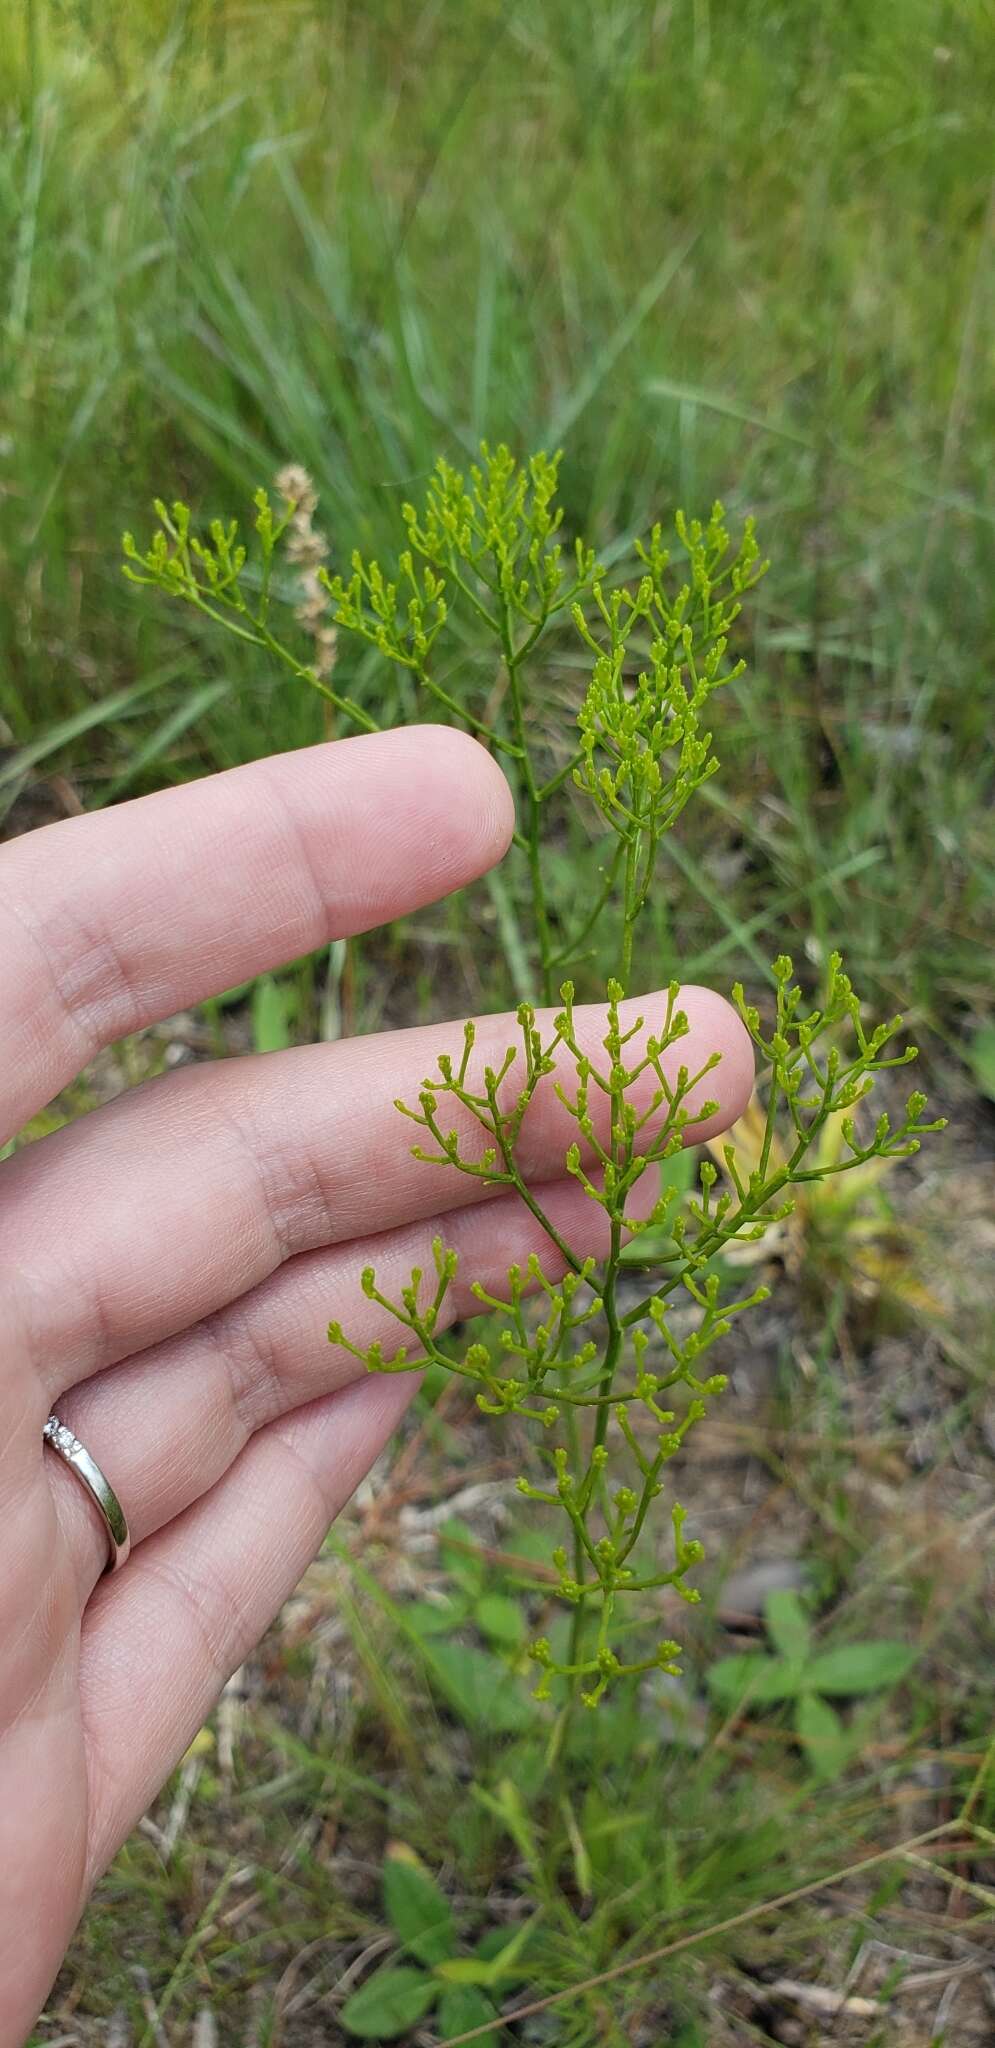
[169,1263]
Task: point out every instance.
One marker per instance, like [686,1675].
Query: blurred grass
[716,249]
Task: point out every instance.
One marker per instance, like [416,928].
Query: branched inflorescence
[607,1359]
[586,1350]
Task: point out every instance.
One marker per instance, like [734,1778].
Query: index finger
[112,921]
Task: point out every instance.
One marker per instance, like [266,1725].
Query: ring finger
[166,1426]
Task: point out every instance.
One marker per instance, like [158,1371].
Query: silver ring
[102,1494]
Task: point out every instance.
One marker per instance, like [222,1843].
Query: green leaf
[755,1678]
[492,1943]
[498,1960]
[860,1667]
[435,1618]
[500,1618]
[417,1910]
[479,1689]
[981,1059]
[389,2003]
[788,1624]
[465,1970]
[823,1735]
[270,1019]
[463,2007]
[503,1957]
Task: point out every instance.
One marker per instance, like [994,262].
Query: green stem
[615,1333]
[577,1620]
[347,705]
[258,633]
[506,1149]
[575,1264]
[578,1625]
[636,1531]
[562,775]
[459,711]
[533,809]
[712,1241]
[559,1745]
[539,900]
[262,637]
[575,1653]
[493,625]
[571,949]
[631,907]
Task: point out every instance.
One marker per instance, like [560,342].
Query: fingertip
[717,1027]
[418,811]
[480,787]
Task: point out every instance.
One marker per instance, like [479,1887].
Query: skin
[169,1263]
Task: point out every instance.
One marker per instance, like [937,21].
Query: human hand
[170,1262]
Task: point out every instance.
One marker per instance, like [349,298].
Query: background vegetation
[742,250]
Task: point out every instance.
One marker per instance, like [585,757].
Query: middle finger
[149,1214]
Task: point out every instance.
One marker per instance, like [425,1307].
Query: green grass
[722,249]
[715,249]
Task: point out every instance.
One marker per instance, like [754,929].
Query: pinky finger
[160,1640]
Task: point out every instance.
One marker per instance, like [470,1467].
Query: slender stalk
[533,805]
[613,1347]
[562,775]
[571,949]
[459,711]
[630,907]
[307,675]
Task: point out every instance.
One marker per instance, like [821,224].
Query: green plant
[612,1385]
[487,556]
[845,1233]
[810,1677]
[398,1995]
